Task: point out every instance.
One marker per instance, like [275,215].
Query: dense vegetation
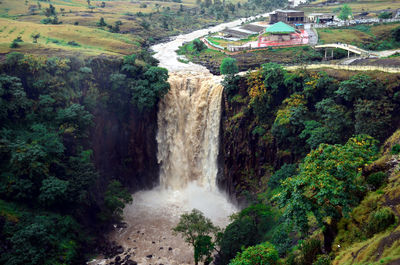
[53,201]
[326,129]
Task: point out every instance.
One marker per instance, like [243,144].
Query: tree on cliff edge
[229,66]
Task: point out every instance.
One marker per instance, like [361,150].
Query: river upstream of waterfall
[188,144]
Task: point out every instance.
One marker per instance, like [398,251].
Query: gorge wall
[123,138]
[126,149]
[246,159]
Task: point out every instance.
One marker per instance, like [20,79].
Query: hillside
[275,145]
[74,27]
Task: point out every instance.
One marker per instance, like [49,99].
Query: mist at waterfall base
[152,215]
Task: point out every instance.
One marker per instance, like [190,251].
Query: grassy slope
[358,35]
[16,20]
[357,6]
[384,247]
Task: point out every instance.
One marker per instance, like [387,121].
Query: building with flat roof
[287,16]
[320,17]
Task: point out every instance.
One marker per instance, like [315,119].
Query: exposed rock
[130,262]
[120,250]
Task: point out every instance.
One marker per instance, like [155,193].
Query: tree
[286,171]
[264,254]
[198,45]
[328,183]
[396,34]
[274,77]
[115,199]
[198,231]
[231,85]
[53,191]
[147,91]
[316,133]
[229,66]
[359,86]
[50,11]
[102,22]
[289,122]
[35,37]
[345,12]
[373,117]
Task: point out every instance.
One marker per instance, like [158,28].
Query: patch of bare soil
[386,242]
[388,62]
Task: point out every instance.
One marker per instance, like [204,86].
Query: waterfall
[188,131]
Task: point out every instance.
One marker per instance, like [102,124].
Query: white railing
[347,67]
[213,44]
[355,22]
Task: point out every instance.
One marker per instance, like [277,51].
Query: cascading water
[188,131]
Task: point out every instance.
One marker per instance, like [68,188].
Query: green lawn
[376,37]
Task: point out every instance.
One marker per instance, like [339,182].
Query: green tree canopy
[264,254]
[328,183]
[229,66]
[198,231]
[345,12]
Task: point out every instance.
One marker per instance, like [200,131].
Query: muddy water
[152,215]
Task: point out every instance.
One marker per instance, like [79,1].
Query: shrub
[323,260]
[264,254]
[14,44]
[309,251]
[396,149]
[385,15]
[46,20]
[376,179]
[73,43]
[380,220]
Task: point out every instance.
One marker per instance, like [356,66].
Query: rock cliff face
[124,146]
[247,159]
[127,149]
